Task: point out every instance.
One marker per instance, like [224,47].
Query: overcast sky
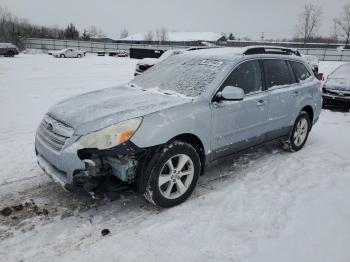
[277,18]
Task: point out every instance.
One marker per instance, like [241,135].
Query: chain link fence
[89,46]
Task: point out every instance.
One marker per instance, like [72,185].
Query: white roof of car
[7,45]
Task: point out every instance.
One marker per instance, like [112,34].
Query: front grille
[54,133]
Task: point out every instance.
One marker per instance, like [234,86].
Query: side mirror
[232,93]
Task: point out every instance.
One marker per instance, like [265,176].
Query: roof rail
[278,50]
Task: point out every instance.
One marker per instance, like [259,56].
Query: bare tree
[95,32]
[343,24]
[161,34]
[334,33]
[149,36]
[85,36]
[124,33]
[71,32]
[309,22]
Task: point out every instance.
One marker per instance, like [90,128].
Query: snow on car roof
[225,53]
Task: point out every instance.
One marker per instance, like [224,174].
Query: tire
[300,132]
[174,174]
[79,56]
[62,56]
[10,54]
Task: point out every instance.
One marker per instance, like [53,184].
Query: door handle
[261,103]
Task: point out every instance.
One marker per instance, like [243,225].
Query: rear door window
[300,71]
[246,76]
[277,73]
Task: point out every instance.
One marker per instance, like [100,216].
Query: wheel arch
[308,109]
[143,171]
[196,143]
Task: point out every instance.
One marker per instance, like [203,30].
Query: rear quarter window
[277,73]
[300,71]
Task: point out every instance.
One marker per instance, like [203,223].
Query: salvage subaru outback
[159,131]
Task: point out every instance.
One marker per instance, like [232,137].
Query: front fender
[160,127]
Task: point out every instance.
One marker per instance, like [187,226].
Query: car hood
[338,84]
[99,109]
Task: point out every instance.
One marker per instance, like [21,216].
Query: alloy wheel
[176,176]
[300,132]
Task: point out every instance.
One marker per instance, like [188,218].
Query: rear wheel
[62,56]
[300,132]
[10,54]
[174,175]
[79,56]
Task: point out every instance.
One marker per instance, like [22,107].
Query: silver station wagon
[159,132]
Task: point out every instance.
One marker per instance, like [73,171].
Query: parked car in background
[313,62]
[147,63]
[122,53]
[336,89]
[68,53]
[159,132]
[8,49]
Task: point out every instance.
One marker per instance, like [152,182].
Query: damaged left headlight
[111,136]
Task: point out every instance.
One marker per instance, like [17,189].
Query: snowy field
[263,205]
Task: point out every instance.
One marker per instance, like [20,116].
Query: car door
[69,53]
[240,124]
[282,89]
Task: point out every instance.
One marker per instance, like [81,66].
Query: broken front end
[86,162]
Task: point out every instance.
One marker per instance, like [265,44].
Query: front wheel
[79,56]
[300,132]
[10,54]
[62,56]
[174,175]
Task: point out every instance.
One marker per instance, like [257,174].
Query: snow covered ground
[263,205]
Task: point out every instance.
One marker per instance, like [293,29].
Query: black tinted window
[300,71]
[246,76]
[277,73]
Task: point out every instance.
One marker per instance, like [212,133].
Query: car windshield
[342,71]
[183,74]
[341,84]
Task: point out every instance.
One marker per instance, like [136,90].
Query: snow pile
[181,36]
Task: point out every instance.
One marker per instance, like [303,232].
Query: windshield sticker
[211,62]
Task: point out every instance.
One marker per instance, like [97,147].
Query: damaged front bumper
[74,168]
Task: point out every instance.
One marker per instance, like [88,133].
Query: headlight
[111,136]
